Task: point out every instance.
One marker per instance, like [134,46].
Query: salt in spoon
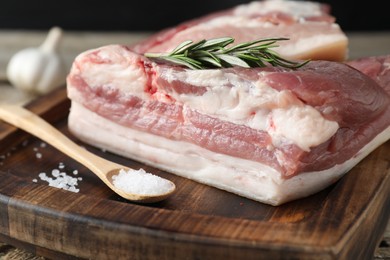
[104,169]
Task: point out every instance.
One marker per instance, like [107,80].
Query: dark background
[146,15]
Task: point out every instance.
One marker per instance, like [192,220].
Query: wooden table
[361,44]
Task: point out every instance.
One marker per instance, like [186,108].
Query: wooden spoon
[104,169]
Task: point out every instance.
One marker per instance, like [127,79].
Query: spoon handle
[35,125]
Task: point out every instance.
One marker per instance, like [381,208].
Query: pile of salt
[60,179]
[141,182]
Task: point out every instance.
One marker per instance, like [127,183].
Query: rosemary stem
[214,53]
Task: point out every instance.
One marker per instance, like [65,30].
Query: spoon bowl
[104,169]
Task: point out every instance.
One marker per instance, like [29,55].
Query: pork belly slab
[269,134]
[312,31]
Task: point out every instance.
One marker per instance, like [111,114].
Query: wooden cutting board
[345,221]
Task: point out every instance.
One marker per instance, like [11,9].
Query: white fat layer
[294,8]
[124,74]
[228,97]
[318,41]
[246,178]
[303,124]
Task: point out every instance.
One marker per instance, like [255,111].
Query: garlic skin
[39,70]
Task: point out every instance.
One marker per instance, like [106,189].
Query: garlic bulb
[38,70]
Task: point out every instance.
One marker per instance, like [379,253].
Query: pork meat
[269,134]
[312,31]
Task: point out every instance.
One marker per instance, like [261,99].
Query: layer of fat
[294,8]
[320,44]
[228,97]
[246,178]
[302,124]
[125,74]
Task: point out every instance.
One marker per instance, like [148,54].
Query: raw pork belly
[377,68]
[312,31]
[269,134]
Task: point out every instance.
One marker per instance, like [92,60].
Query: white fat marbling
[257,105]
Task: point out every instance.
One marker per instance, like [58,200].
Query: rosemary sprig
[214,53]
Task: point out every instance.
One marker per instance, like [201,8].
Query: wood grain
[345,221]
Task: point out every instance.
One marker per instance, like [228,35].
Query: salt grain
[55,173]
[75,172]
[141,182]
[61,180]
[38,154]
[61,165]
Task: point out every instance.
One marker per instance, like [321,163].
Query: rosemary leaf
[180,47]
[212,61]
[195,46]
[218,42]
[233,60]
[184,61]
